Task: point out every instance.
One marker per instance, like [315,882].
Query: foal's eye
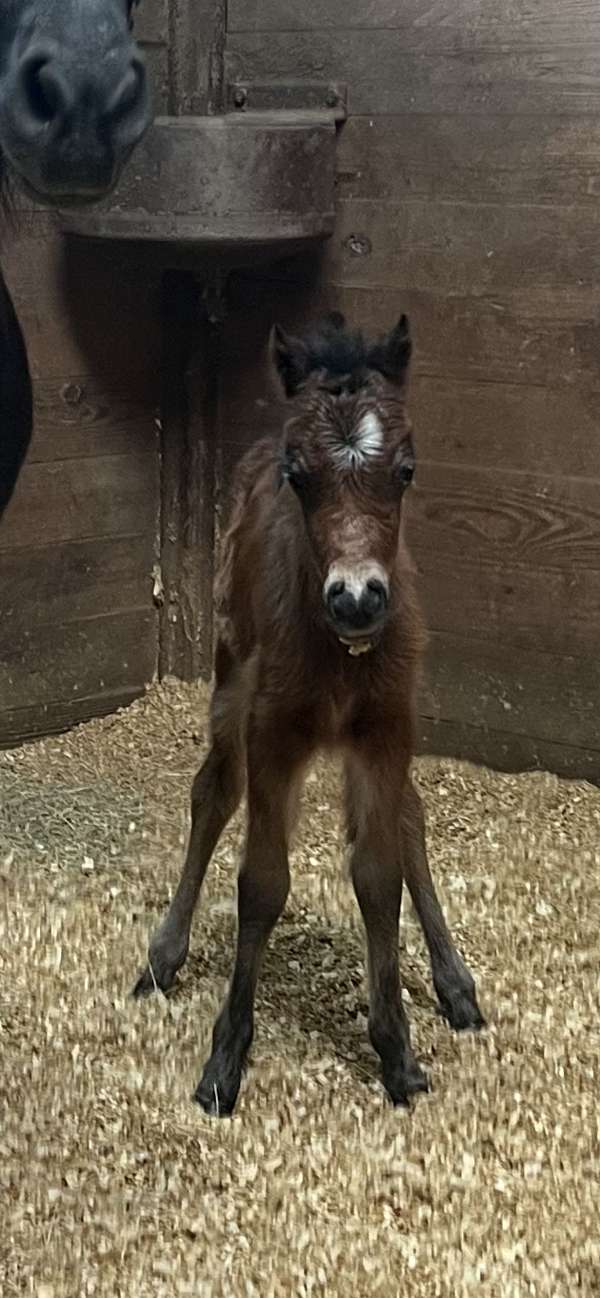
[404,472]
[294,473]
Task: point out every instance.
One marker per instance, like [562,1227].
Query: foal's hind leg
[262,893]
[377,878]
[453,983]
[216,793]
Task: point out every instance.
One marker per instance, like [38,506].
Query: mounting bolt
[332,98]
[240,97]
[71,394]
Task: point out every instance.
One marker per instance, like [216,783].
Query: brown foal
[319,641]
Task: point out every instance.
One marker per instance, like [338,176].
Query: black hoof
[145,985]
[462,1012]
[153,980]
[159,975]
[402,1084]
[216,1098]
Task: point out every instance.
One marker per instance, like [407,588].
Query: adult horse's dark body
[73,104]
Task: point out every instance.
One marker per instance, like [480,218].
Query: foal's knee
[220,779]
[262,896]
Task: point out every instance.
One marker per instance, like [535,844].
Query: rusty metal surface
[328,97]
[243,181]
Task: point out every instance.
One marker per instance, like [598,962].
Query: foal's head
[348,457]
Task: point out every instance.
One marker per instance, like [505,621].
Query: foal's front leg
[262,893]
[377,878]
[216,792]
[452,980]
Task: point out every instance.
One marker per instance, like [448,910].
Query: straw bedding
[113,1183]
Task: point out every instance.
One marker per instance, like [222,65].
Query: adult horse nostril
[129,94]
[336,588]
[43,97]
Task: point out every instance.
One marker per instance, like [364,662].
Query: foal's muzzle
[356,603]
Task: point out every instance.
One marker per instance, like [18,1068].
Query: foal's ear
[392,355]
[289,358]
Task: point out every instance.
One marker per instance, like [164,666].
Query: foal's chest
[336,709]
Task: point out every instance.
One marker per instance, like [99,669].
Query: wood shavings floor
[113,1184]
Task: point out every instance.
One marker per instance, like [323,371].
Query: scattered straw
[112,1183]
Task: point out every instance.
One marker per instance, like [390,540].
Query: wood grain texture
[491,158]
[529,693]
[501,602]
[507,426]
[78,660]
[507,752]
[507,518]
[384,77]
[152,22]
[521,253]
[187,516]
[74,580]
[18,725]
[82,417]
[430,24]
[68,500]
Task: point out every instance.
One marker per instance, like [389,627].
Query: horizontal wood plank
[81,417]
[501,602]
[527,692]
[73,581]
[439,25]
[496,158]
[512,518]
[521,253]
[109,495]
[18,725]
[507,426]
[507,752]
[384,77]
[78,660]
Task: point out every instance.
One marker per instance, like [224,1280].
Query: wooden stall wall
[468,191]
[78,625]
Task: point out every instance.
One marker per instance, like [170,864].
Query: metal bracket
[329,97]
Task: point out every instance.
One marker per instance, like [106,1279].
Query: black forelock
[333,348]
[340,358]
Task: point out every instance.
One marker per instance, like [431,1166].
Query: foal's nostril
[374,599]
[341,604]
